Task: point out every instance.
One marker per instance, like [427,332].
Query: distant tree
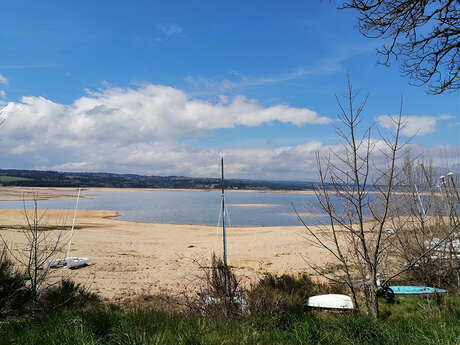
[425,34]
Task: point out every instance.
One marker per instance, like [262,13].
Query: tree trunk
[373,300]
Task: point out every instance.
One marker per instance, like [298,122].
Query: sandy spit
[44,193]
[40,193]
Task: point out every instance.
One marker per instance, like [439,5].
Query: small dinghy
[70,262]
[73,262]
[330,301]
[415,290]
[57,263]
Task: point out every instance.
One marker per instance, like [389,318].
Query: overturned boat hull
[330,301]
[74,262]
[415,290]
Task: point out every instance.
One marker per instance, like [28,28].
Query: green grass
[69,314]
[13,179]
[413,321]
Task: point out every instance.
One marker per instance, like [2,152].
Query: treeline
[36,178]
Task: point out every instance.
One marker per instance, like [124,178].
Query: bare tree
[425,220]
[424,33]
[41,245]
[378,227]
[354,235]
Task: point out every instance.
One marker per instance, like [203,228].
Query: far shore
[63,193]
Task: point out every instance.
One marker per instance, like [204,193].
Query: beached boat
[330,301]
[70,262]
[56,263]
[74,262]
[415,290]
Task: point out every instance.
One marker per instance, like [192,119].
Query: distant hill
[37,178]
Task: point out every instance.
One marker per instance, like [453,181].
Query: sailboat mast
[419,199]
[73,223]
[224,233]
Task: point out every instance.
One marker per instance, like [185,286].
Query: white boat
[56,263]
[73,262]
[330,301]
[70,262]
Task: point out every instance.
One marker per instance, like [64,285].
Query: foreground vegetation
[414,321]
[69,314]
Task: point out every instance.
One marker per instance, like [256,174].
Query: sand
[132,258]
[40,193]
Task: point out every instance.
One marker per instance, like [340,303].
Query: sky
[166,88]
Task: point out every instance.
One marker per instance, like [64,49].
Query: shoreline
[65,193]
[16,193]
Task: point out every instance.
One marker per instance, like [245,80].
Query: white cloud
[151,112]
[413,125]
[3,80]
[170,29]
[135,130]
[2,94]
[147,130]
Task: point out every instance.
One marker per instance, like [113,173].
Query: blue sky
[167,87]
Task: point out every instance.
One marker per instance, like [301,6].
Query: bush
[14,293]
[16,296]
[273,293]
[441,268]
[67,294]
[219,293]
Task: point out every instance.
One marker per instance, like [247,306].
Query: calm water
[190,207]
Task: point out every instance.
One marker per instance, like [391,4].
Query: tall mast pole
[422,209]
[73,223]
[224,233]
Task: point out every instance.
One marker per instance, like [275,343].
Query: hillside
[37,178]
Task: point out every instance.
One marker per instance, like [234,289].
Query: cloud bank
[139,130]
[155,129]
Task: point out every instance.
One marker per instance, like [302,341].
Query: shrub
[14,293]
[67,294]
[273,293]
[220,293]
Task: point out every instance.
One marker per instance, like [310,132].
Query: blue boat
[415,290]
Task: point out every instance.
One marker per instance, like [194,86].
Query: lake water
[191,207]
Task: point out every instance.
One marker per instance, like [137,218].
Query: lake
[191,207]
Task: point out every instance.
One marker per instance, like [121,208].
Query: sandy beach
[135,258]
[131,258]
[39,193]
